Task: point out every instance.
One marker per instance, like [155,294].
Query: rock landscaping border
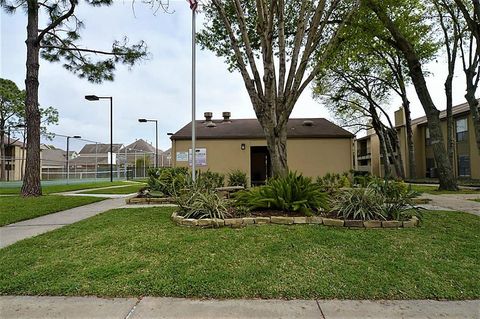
[283,220]
[149,200]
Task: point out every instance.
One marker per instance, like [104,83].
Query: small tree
[263,33]
[57,41]
[11,104]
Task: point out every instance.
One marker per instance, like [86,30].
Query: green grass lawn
[118,190]
[49,189]
[434,190]
[14,208]
[140,252]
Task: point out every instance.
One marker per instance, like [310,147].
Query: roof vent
[211,124]
[208,116]
[226,117]
[307,123]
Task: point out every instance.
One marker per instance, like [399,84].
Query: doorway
[260,165]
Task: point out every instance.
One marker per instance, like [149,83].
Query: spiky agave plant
[291,193]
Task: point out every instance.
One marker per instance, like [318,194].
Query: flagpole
[194,150]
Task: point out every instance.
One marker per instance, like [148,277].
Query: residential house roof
[53,157]
[101,159]
[140,145]
[99,148]
[13,141]
[251,129]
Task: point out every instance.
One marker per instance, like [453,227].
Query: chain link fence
[72,158]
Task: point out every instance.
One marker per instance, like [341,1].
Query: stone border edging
[149,200]
[283,220]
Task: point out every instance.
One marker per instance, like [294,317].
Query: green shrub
[200,203]
[332,182]
[210,180]
[165,179]
[170,180]
[379,200]
[292,193]
[359,204]
[237,178]
[398,199]
[361,179]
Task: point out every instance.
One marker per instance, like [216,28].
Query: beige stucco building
[466,162]
[14,150]
[314,147]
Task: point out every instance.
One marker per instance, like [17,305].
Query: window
[462,130]
[463,165]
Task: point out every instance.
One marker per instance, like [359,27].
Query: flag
[193,4]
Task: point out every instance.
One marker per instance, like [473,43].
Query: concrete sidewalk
[12,233]
[131,308]
[457,202]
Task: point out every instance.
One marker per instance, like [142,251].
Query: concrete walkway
[12,233]
[80,192]
[457,202]
[131,308]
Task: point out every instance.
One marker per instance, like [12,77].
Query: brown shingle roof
[99,148]
[140,145]
[250,128]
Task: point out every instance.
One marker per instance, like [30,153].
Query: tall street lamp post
[156,138]
[96,98]
[68,155]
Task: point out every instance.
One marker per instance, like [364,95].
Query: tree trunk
[450,141]
[2,151]
[277,147]
[412,166]
[445,172]
[31,181]
[22,160]
[393,145]
[384,153]
[475,110]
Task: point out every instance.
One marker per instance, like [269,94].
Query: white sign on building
[182,157]
[200,157]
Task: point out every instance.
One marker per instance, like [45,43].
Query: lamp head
[92,97]
[76,136]
[142,120]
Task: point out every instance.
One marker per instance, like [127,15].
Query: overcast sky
[158,88]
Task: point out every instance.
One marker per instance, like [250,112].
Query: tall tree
[400,19]
[283,37]
[57,41]
[11,104]
[447,17]
[470,54]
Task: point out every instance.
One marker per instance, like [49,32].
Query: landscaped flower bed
[333,200]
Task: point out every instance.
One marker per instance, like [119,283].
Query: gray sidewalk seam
[131,312]
[320,308]
[28,225]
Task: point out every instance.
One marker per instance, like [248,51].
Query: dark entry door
[260,166]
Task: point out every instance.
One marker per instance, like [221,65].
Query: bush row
[347,196]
